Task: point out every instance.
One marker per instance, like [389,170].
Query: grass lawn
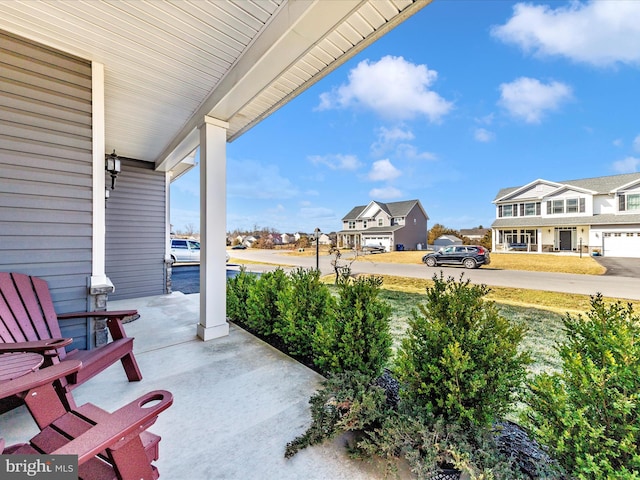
[540,311]
[536,262]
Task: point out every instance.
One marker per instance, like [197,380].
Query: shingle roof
[598,184]
[394,209]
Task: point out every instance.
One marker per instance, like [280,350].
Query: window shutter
[537,208]
[548,207]
[621,203]
[499,211]
[522,209]
[582,207]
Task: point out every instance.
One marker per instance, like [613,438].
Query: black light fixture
[112,165]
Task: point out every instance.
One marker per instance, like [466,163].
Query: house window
[507,210]
[352,225]
[379,222]
[572,205]
[364,224]
[607,234]
[529,209]
[633,201]
[558,206]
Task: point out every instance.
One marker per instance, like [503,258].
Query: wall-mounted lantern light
[112,165]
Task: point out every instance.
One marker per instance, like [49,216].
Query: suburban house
[385,224]
[598,215]
[446,240]
[104,104]
[475,234]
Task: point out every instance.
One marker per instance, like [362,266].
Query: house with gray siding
[591,215]
[77,85]
[385,224]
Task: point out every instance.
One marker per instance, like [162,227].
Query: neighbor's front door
[565,240]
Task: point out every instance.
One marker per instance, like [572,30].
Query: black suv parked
[471,256]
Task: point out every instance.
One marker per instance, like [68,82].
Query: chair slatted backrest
[26,309]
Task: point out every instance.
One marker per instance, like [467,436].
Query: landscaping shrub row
[440,403]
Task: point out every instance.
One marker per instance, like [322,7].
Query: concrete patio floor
[237,401]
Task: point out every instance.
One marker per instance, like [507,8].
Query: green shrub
[589,413]
[238,289]
[460,358]
[303,305]
[345,402]
[263,311]
[356,337]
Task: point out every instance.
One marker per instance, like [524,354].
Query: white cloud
[628,165]
[600,33]
[385,193]
[382,170]
[483,135]
[617,142]
[529,99]
[411,152]
[388,137]
[636,143]
[337,161]
[250,179]
[392,88]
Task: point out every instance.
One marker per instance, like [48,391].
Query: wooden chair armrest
[98,314]
[39,346]
[120,426]
[39,378]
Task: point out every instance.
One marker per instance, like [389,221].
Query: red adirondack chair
[109,446]
[28,322]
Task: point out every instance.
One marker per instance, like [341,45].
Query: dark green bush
[345,402]
[238,289]
[263,311]
[356,337]
[460,358]
[588,414]
[303,305]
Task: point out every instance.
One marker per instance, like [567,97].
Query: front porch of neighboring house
[349,240]
[237,401]
[543,239]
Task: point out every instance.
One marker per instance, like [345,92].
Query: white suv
[185,250]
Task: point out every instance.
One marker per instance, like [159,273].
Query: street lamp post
[317,231]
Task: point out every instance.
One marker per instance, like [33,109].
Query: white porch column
[213,227]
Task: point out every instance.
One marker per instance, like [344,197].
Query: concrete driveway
[620,267]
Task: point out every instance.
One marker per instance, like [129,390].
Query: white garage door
[622,244]
[377,241]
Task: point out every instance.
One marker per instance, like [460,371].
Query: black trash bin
[400,247]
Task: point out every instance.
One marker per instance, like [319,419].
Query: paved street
[609,285]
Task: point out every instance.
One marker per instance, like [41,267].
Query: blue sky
[464,98]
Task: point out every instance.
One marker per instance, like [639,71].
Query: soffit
[170,63]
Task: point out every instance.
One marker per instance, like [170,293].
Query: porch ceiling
[170,63]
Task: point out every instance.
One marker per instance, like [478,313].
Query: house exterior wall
[136,232]
[46,173]
[414,231]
